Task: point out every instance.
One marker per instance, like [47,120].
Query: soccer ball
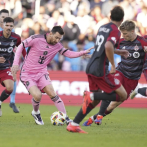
[58,118]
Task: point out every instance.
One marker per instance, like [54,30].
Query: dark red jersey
[132,66]
[6,49]
[98,64]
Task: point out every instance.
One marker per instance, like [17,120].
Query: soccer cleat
[0,111]
[37,118]
[98,120]
[68,120]
[13,106]
[88,122]
[75,129]
[86,101]
[133,94]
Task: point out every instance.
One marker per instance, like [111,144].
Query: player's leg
[45,84]
[109,85]
[12,100]
[36,93]
[6,93]
[7,81]
[142,91]
[49,90]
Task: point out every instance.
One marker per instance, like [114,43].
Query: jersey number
[99,41]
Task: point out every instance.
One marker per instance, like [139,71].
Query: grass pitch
[123,128]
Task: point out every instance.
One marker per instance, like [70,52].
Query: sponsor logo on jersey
[136,54]
[124,48]
[9,50]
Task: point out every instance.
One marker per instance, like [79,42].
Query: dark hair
[4,11]
[127,25]
[117,13]
[57,29]
[8,19]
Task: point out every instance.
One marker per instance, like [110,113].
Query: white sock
[74,124]
[0,102]
[92,96]
[34,112]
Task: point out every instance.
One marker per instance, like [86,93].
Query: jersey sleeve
[114,37]
[28,42]
[18,41]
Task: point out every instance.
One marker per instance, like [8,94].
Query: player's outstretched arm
[123,53]
[72,54]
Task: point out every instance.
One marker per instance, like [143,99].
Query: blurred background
[80,20]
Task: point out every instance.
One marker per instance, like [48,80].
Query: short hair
[4,11]
[117,13]
[127,25]
[57,29]
[8,19]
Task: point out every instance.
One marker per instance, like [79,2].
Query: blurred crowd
[80,20]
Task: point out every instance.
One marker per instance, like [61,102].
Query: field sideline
[124,128]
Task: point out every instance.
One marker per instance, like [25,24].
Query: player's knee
[9,88]
[37,96]
[123,97]
[52,94]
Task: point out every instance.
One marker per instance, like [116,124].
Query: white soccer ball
[58,118]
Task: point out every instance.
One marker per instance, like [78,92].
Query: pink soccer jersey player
[34,74]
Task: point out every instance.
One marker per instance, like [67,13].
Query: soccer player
[8,41]
[143,90]
[3,14]
[34,74]
[128,71]
[99,77]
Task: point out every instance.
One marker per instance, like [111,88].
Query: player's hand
[88,50]
[125,53]
[113,70]
[86,56]
[14,70]
[2,60]
[145,50]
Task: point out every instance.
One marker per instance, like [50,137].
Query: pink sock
[59,104]
[35,105]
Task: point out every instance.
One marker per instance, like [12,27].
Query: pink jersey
[40,53]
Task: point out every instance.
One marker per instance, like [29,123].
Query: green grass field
[124,128]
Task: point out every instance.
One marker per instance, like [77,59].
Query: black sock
[80,116]
[105,96]
[142,91]
[103,107]
[4,95]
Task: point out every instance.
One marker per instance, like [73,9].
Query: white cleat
[133,94]
[37,117]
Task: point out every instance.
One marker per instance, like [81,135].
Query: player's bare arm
[109,50]
[123,53]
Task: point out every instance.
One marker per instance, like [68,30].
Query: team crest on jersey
[12,43]
[45,53]
[136,48]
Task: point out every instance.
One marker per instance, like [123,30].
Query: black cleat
[13,106]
